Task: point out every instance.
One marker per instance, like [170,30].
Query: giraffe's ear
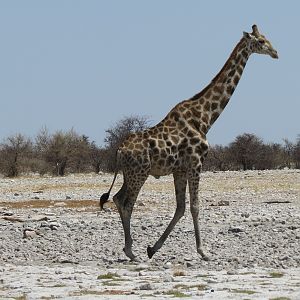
[247,35]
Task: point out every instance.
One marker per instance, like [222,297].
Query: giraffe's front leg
[194,202]
[180,182]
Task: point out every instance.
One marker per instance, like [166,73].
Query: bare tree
[69,151]
[288,150]
[119,132]
[296,153]
[41,147]
[98,158]
[247,150]
[15,153]
[63,149]
[58,151]
[270,157]
[218,159]
[79,153]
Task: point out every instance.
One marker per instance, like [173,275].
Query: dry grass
[254,184]
[72,204]
[200,287]
[179,272]
[286,182]
[176,294]
[91,293]
[59,186]
[109,276]
[242,291]
[276,274]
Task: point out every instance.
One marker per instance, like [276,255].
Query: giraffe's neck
[210,102]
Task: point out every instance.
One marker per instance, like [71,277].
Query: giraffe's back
[159,153]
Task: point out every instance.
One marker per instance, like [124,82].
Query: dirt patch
[72,204]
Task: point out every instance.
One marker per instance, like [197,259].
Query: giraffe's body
[177,145]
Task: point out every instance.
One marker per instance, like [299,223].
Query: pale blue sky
[87,64]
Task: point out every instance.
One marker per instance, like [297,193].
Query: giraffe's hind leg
[180,182]
[193,180]
[119,199]
[125,200]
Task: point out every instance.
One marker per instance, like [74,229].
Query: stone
[245,215]
[97,242]
[44,224]
[168,265]
[29,233]
[147,286]
[235,229]
[54,223]
[223,203]
[7,213]
[292,227]
[38,192]
[168,278]
[232,272]
[142,266]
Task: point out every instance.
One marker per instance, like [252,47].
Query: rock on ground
[54,241]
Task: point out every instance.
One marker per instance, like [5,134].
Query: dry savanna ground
[55,243]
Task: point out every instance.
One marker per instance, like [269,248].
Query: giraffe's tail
[105,196]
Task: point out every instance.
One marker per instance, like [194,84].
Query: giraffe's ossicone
[177,145]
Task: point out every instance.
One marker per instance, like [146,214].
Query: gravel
[54,241]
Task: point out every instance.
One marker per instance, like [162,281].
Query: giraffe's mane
[215,79]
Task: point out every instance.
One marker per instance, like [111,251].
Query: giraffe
[177,145]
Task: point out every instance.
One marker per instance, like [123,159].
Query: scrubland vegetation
[64,152]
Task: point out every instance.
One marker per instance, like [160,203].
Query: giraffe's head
[259,44]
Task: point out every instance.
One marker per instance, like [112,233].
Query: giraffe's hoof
[129,254]
[206,258]
[150,252]
[203,255]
